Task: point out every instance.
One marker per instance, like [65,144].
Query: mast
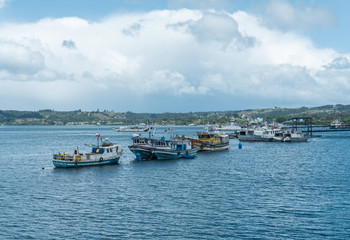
[98,139]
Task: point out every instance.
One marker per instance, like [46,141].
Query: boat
[257,134]
[271,135]
[210,141]
[131,129]
[101,154]
[178,149]
[294,136]
[148,148]
[142,147]
[231,127]
[336,124]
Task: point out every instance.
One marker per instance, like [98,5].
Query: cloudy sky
[173,56]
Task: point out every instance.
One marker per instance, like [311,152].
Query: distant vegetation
[320,115]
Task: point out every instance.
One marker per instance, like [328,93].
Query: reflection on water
[264,190]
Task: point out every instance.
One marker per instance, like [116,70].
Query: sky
[173,55]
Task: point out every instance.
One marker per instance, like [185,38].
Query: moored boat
[161,148]
[210,141]
[101,154]
[257,135]
[293,136]
[232,127]
[131,129]
[142,146]
[337,124]
[271,135]
[178,149]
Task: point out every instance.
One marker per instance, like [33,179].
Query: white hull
[107,153]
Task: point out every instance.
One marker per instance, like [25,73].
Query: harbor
[258,191]
[178,119]
[169,145]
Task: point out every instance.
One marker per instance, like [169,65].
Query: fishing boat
[142,147]
[213,141]
[337,124]
[264,134]
[258,134]
[101,154]
[231,127]
[178,149]
[210,141]
[147,148]
[294,136]
[131,129]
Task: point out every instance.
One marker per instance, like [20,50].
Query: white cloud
[176,53]
[16,58]
[219,27]
[69,44]
[284,15]
[338,63]
[200,4]
[132,30]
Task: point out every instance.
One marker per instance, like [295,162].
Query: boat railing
[63,156]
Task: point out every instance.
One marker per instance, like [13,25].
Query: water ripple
[263,191]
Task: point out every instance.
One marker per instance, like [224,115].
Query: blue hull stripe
[67,164]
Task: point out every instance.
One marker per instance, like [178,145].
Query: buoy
[240,145]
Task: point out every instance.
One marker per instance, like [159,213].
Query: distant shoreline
[320,115]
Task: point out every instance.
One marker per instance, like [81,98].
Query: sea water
[262,191]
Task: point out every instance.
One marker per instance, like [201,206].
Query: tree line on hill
[322,115]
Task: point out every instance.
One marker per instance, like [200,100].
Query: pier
[309,128]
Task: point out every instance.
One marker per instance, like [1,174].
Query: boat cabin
[212,138]
[140,141]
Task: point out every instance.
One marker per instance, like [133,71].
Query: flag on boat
[97,135]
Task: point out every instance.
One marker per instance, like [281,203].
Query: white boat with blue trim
[154,148]
[101,154]
[131,129]
[177,149]
[143,147]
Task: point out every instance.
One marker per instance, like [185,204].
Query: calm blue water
[263,191]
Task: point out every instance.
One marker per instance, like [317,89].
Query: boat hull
[173,154]
[213,141]
[166,155]
[255,139]
[72,164]
[144,152]
[214,147]
[301,139]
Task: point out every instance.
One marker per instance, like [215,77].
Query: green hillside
[320,115]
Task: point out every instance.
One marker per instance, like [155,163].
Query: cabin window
[111,150]
[107,150]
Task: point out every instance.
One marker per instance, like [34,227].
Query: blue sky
[173,56]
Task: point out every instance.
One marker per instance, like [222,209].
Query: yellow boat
[210,141]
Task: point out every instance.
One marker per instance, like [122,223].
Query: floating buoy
[240,145]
